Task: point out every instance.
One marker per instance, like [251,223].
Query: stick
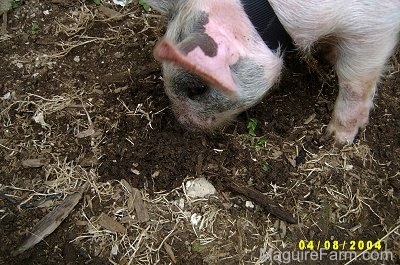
[262,200]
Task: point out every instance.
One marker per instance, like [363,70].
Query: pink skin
[187,118]
[196,61]
[351,109]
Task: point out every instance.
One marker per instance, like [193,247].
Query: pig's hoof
[342,135]
[326,139]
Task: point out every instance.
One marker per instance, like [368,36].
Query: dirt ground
[82,100]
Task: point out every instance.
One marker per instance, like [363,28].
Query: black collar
[267,24]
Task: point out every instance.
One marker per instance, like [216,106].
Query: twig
[262,200]
[4,26]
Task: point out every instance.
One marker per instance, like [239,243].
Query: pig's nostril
[194,92]
[189,85]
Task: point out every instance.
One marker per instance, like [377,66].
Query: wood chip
[291,160]
[85,133]
[170,252]
[282,227]
[111,13]
[4,25]
[52,220]
[120,89]
[81,223]
[276,154]
[109,223]
[34,163]
[310,119]
[136,202]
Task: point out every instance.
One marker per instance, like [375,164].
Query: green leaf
[251,126]
[35,27]
[97,2]
[144,5]
[261,141]
[16,3]
[265,167]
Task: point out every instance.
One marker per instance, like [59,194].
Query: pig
[216,65]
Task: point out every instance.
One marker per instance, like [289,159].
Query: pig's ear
[162,6]
[214,70]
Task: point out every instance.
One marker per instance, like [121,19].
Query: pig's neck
[267,24]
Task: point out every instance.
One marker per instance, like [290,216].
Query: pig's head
[215,65]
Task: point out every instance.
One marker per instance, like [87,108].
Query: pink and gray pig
[216,63]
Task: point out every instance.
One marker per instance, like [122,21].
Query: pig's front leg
[359,63]
[352,107]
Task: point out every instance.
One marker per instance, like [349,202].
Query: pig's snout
[197,105]
[195,124]
[190,119]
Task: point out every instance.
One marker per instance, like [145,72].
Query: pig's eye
[194,92]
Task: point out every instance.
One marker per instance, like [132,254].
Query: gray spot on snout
[250,77]
[205,42]
[199,38]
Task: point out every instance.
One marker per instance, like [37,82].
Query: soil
[83,97]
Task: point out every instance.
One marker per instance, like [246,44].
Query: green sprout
[16,3]
[145,5]
[265,167]
[251,126]
[258,142]
[34,28]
